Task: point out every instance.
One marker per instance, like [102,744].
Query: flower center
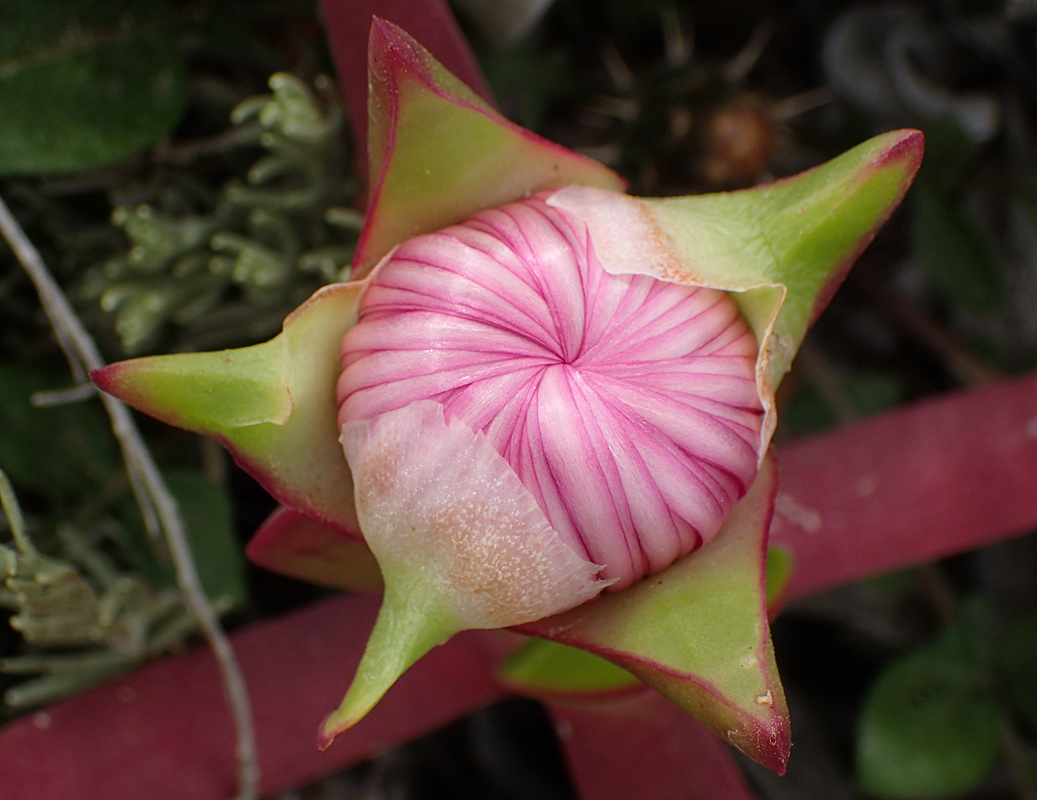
[626,405]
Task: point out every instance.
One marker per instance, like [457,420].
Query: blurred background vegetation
[184,199]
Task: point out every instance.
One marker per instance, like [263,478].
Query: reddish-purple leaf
[920,483]
[164,732]
[645,747]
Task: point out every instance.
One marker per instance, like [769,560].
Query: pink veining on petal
[626,405]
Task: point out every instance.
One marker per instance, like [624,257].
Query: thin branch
[62,397]
[154,497]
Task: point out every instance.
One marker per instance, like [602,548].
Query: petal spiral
[626,405]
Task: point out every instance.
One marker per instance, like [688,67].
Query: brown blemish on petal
[380,469]
[492,556]
[441,509]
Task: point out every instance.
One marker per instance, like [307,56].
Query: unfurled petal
[460,541]
[627,405]
[439,505]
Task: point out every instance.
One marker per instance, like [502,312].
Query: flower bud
[554,397]
[626,405]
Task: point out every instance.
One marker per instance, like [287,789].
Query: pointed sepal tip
[407,627]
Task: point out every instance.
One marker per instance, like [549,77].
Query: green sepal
[438,153]
[551,671]
[411,621]
[780,249]
[797,237]
[697,632]
[272,405]
[460,541]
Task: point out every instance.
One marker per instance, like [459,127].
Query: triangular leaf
[698,633]
[439,153]
[803,233]
[272,405]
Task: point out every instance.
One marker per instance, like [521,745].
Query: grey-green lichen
[232,273]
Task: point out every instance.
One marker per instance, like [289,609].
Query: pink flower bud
[626,405]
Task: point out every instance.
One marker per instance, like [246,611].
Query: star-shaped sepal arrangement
[696,630]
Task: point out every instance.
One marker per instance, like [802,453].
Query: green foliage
[84,84]
[103,598]
[233,273]
[87,613]
[532,80]
[82,467]
[932,725]
[837,395]
[1016,663]
[208,520]
[929,728]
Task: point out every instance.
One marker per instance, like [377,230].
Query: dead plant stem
[158,506]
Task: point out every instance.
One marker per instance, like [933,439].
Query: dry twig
[157,504]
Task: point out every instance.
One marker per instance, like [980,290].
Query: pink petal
[626,405]
[440,508]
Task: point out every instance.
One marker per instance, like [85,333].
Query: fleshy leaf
[271,405]
[803,233]
[461,542]
[85,85]
[783,248]
[298,546]
[439,153]
[209,521]
[697,632]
